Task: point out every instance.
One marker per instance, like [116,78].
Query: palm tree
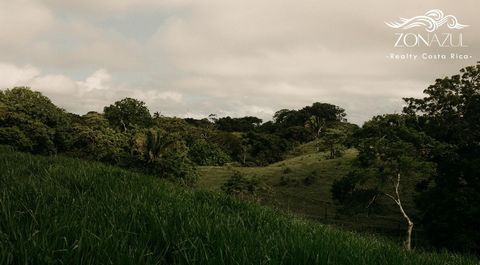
[157,143]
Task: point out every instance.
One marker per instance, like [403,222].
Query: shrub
[240,185]
[310,179]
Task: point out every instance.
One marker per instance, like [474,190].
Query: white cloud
[22,20]
[80,96]
[55,85]
[99,80]
[170,95]
[12,75]
[113,7]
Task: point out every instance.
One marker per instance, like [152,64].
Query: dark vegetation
[424,161]
[433,146]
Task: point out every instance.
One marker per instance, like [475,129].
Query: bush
[240,185]
[310,179]
[343,188]
[16,138]
[284,180]
[176,167]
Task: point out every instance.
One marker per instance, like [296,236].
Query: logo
[431,21]
[442,31]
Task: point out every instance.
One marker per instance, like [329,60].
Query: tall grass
[55,210]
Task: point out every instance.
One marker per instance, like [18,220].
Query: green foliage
[163,154]
[450,112]
[94,139]
[334,140]
[206,145]
[15,137]
[240,185]
[177,167]
[285,180]
[173,124]
[66,211]
[343,189]
[297,134]
[41,126]
[264,149]
[158,144]
[388,149]
[310,179]
[310,122]
[128,114]
[207,154]
[202,123]
[30,122]
[324,112]
[316,124]
[244,124]
[231,144]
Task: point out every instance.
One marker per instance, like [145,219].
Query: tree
[334,140]
[450,202]
[230,143]
[287,118]
[128,113]
[316,125]
[244,124]
[207,154]
[203,123]
[390,152]
[240,185]
[94,139]
[158,152]
[157,144]
[298,134]
[263,149]
[31,122]
[323,111]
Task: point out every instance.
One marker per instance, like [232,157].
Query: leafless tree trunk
[124,126]
[244,155]
[396,199]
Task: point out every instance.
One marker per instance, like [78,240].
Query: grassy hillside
[55,210]
[301,184]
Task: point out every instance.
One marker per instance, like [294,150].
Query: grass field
[289,190]
[55,210]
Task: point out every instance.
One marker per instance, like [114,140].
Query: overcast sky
[243,57]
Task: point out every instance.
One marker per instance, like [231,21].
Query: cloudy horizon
[191,58]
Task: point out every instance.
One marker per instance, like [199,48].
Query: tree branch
[391,197]
[372,201]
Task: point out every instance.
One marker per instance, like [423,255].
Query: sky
[192,58]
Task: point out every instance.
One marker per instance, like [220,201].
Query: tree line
[127,135]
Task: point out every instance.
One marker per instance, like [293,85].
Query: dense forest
[434,142]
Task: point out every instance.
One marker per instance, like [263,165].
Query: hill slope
[55,210]
[301,184]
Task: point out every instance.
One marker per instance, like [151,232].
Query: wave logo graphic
[431,21]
